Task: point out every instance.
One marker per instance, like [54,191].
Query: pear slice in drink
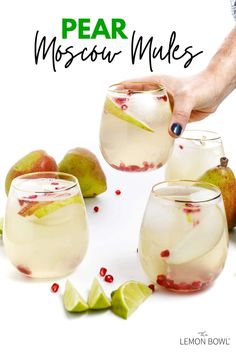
[201,239]
[116,111]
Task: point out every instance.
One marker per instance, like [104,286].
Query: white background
[59,111]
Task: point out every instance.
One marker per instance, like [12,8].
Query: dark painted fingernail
[176,128]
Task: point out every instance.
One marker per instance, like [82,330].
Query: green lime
[116,111]
[1,227]
[97,299]
[73,301]
[127,298]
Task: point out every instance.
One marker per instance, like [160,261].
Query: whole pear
[35,161]
[223,177]
[84,165]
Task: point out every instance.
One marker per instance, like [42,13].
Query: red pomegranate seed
[181,147]
[191,210]
[130,92]
[54,287]
[124,107]
[118,192]
[103,271]
[161,279]
[196,284]
[24,269]
[165,253]
[34,196]
[152,287]
[169,283]
[96,209]
[120,100]
[54,183]
[109,278]
[22,202]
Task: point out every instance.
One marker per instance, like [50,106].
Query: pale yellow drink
[184,236]
[193,154]
[46,232]
[134,128]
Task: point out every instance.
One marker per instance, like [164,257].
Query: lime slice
[73,301]
[128,297]
[41,209]
[1,227]
[97,299]
[201,239]
[116,111]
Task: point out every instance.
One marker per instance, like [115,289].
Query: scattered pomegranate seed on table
[152,287]
[96,209]
[118,192]
[54,287]
[103,271]
[165,253]
[109,278]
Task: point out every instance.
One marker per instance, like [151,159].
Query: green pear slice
[200,240]
[116,111]
[41,209]
[44,210]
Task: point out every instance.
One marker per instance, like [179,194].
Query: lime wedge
[127,298]
[1,227]
[73,301]
[97,299]
[116,111]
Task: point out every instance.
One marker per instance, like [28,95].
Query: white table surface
[33,320]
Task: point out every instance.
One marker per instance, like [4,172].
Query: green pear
[35,161]
[84,165]
[223,177]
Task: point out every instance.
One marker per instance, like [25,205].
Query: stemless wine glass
[134,128]
[184,235]
[46,232]
[194,153]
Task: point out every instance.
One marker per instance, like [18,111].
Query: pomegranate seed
[118,192]
[181,147]
[103,271]
[24,269]
[22,202]
[34,196]
[161,279]
[54,287]
[130,92]
[120,100]
[96,209]
[54,183]
[196,284]
[152,287]
[191,210]
[169,283]
[124,107]
[109,278]
[165,253]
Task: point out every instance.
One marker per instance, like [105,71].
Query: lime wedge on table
[73,301]
[1,226]
[128,297]
[97,299]
[201,239]
[116,111]
[41,209]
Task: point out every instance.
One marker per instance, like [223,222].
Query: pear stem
[223,162]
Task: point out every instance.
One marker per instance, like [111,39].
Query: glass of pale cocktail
[193,154]
[46,233]
[134,128]
[184,236]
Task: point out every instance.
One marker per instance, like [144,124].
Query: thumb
[181,113]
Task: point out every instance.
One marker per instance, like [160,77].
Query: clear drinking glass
[194,153]
[46,233]
[184,235]
[134,128]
